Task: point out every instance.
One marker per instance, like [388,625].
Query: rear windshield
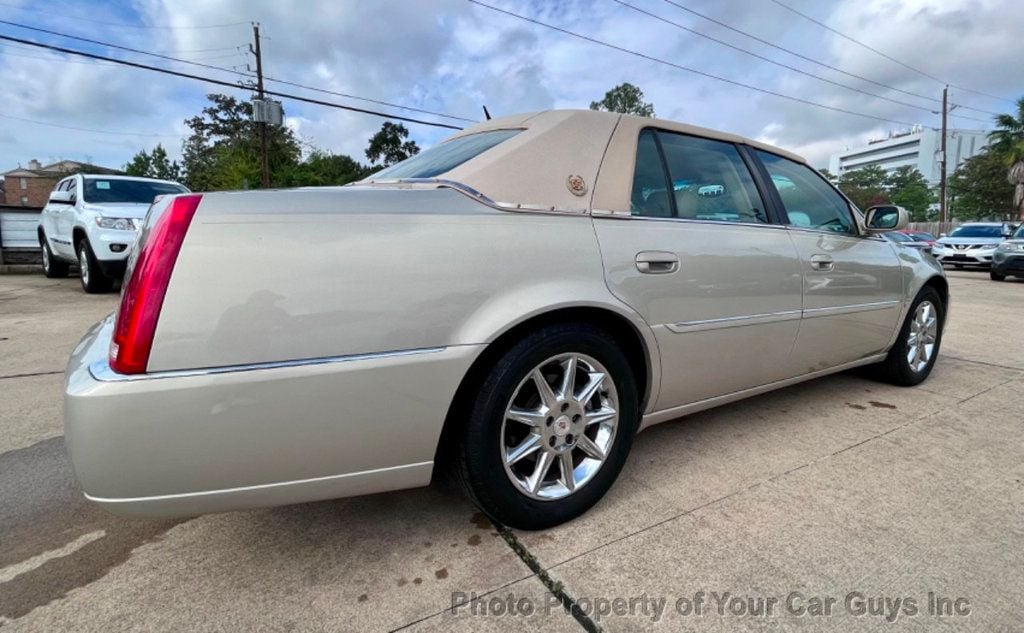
[446,156]
[977,231]
[117,190]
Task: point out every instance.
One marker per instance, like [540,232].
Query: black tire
[477,455]
[53,268]
[994,276]
[896,369]
[92,277]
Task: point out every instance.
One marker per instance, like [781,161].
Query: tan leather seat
[687,203]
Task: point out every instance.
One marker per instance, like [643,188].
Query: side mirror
[887,217]
[61,197]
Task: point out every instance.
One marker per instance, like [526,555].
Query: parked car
[921,237]
[509,306]
[971,244]
[906,239]
[1008,260]
[92,220]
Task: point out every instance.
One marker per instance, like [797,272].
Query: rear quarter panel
[330,272]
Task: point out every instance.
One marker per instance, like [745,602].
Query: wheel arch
[77,235]
[941,286]
[640,350]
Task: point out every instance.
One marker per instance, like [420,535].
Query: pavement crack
[981,393]
[556,587]
[29,375]
[981,362]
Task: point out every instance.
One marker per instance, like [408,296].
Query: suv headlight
[1009,247]
[118,224]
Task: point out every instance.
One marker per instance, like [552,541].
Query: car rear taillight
[144,291]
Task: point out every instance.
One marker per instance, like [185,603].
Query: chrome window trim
[101,370]
[625,215]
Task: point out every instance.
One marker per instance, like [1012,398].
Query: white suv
[92,220]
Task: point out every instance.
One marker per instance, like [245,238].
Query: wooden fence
[935,228]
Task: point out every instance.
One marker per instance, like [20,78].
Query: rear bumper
[184,443]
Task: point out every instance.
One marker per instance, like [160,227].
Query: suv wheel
[994,276]
[52,267]
[93,279]
[550,428]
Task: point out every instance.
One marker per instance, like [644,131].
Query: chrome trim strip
[256,487]
[474,194]
[777,317]
[736,321]
[101,370]
[850,309]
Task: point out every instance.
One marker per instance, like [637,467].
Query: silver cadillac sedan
[509,307]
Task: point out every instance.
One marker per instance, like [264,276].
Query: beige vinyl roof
[532,169]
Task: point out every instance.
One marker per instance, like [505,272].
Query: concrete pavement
[835,488]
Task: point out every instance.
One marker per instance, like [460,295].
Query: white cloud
[452,56]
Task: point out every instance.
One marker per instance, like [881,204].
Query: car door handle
[822,262]
[656,262]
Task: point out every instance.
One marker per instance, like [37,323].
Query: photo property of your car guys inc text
[505,315]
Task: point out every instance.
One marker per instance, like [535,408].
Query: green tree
[155,164]
[388,146]
[625,99]
[1007,141]
[222,152]
[979,189]
[909,189]
[322,168]
[829,176]
[865,187]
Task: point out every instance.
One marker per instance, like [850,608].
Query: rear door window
[694,178]
[710,181]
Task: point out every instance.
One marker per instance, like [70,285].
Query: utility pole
[943,211]
[264,160]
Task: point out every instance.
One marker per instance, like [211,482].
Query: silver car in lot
[508,308]
[970,244]
[1008,260]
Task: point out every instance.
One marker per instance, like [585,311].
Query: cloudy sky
[451,56]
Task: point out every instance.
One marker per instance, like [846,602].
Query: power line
[78,18]
[800,55]
[368,100]
[220,82]
[122,48]
[771,61]
[686,68]
[86,129]
[230,70]
[889,57]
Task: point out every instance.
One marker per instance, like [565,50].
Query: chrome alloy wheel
[924,329]
[559,426]
[83,264]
